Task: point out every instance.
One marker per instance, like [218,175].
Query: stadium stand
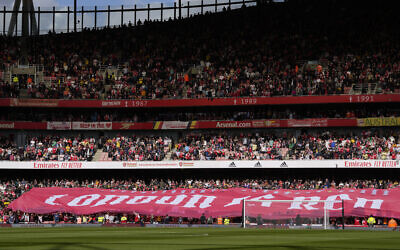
[269,147]
[278,55]
[209,146]
[49,148]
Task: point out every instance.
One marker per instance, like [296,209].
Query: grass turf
[193,238]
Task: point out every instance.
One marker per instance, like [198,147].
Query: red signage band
[232,101]
[17,125]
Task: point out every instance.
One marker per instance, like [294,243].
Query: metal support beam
[180,9]
[30,28]
[38,21]
[82,19]
[75,15]
[162,6]
[68,19]
[108,16]
[95,17]
[122,15]
[148,12]
[4,20]
[29,25]
[174,10]
[14,17]
[25,18]
[33,19]
[54,19]
[16,24]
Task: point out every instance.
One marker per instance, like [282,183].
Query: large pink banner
[211,202]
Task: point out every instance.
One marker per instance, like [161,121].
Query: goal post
[298,213]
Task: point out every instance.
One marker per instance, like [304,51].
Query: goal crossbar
[325,210]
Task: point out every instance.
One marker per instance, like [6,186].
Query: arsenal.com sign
[200,164]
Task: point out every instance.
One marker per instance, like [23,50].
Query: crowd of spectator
[383,145]
[49,148]
[272,53]
[149,148]
[260,146]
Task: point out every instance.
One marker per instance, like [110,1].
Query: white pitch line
[195,235]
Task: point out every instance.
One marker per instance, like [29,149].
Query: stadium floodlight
[298,213]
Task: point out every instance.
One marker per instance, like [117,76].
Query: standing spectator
[392,223]
[166,219]
[210,220]
[203,219]
[371,221]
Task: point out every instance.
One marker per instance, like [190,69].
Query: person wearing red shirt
[364,222]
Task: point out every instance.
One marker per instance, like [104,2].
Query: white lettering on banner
[247,101]
[362,98]
[111,103]
[195,198]
[233,125]
[178,199]
[107,198]
[91,125]
[264,197]
[376,204]
[51,200]
[307,202]
[89,198]
[236,201]
[4,125]
[141,199]
[174,125]
[59,125]
[333,199]
[138,104]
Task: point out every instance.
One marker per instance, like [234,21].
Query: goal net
[290,214]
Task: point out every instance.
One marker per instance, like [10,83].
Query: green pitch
[193,238]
